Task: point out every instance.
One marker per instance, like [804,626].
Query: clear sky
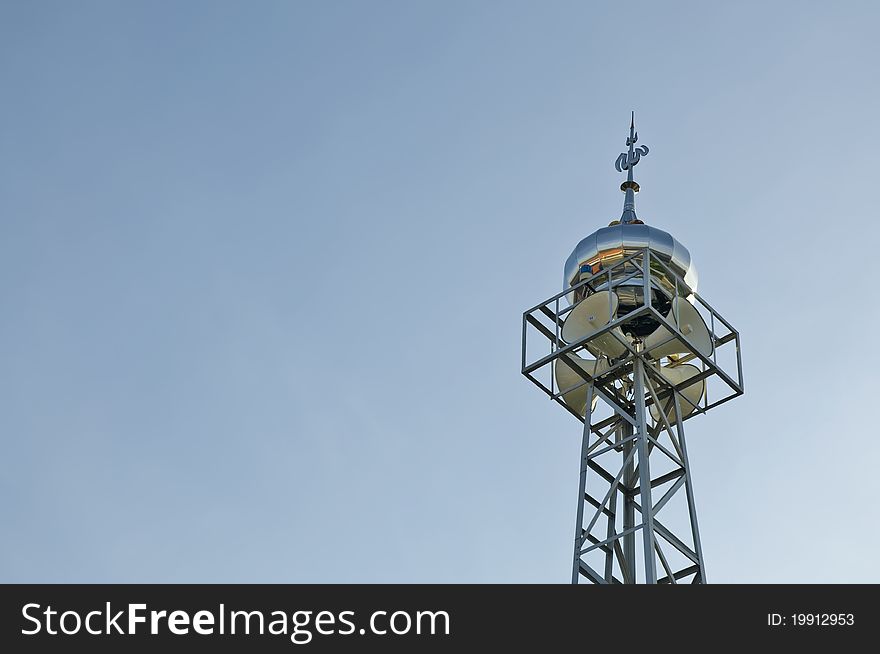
[263,267]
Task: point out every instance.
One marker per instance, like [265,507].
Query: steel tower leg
[644,473]
[629,516]
[700,577]
[578,530]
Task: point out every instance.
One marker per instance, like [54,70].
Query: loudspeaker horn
[690,323]
[693,393]
[567,377]
[589,316]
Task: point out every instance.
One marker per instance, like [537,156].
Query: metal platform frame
[631,455]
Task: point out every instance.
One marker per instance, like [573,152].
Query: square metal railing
[543,347]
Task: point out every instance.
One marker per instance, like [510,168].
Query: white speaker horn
[567,377]
[589,316]
[693,394]
[660,343]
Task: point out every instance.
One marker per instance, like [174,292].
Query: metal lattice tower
[634,355]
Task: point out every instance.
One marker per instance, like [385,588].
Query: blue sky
[263,265]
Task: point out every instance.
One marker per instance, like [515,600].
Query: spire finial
[627,161]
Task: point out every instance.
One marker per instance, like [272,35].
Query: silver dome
[623,239]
